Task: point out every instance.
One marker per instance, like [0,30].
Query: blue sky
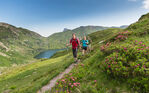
[49,16]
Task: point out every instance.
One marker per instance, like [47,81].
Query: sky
[50,16]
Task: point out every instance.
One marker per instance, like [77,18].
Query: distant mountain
[122,27]
[65,29]
[15,43]
[59,40]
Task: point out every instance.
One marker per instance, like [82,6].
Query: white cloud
[146,4]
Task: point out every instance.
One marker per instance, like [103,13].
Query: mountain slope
[17,44]
[59,40]
[120,64]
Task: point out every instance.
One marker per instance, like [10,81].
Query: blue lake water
[47,54]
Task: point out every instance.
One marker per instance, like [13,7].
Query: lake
[47,54]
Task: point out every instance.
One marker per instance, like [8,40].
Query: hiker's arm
[79,43]
[69,43]
[87,42]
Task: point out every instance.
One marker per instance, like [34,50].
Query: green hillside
[118,65]
[18,45]
[59,40]
[31,77]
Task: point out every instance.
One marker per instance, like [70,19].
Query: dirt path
[52,82]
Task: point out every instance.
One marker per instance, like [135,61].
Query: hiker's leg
[83,52]
[75,54]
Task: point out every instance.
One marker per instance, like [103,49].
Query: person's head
[73,35]
[84,37]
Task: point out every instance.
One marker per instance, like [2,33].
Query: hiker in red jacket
[75,44]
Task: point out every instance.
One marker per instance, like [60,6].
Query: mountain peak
[65,29]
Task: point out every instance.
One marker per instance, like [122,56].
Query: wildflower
[109,66]
[95,81]
[73,79]
[56,83]
[82,64]
[144,66]
[72,86]
[102,48]
[140,42]
[125,48]
[63,80]
[143,45]
[78,83]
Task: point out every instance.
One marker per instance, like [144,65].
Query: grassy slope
[59,40]
[86,74]
[22,45]
[92,68]
[31,77]
[35,75]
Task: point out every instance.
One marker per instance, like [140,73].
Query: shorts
[84,48]
[74,52]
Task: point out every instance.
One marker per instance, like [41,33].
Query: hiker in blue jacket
[84,45]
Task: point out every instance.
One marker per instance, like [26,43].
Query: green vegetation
[18,45]
[30,78]
[118,65]
[59,40]
[88,76]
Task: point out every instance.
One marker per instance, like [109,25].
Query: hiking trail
[52,82]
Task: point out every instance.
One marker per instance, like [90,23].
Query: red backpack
[75,40]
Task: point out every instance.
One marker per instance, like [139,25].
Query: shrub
[128,61]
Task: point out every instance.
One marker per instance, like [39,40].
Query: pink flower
[63,80]
[71,77]
[125,48]
[56,83]
[72,86]
[82,64]
[140,42]
[78,83]
[144,66]
[95,81]
[143,45]
[109,66]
